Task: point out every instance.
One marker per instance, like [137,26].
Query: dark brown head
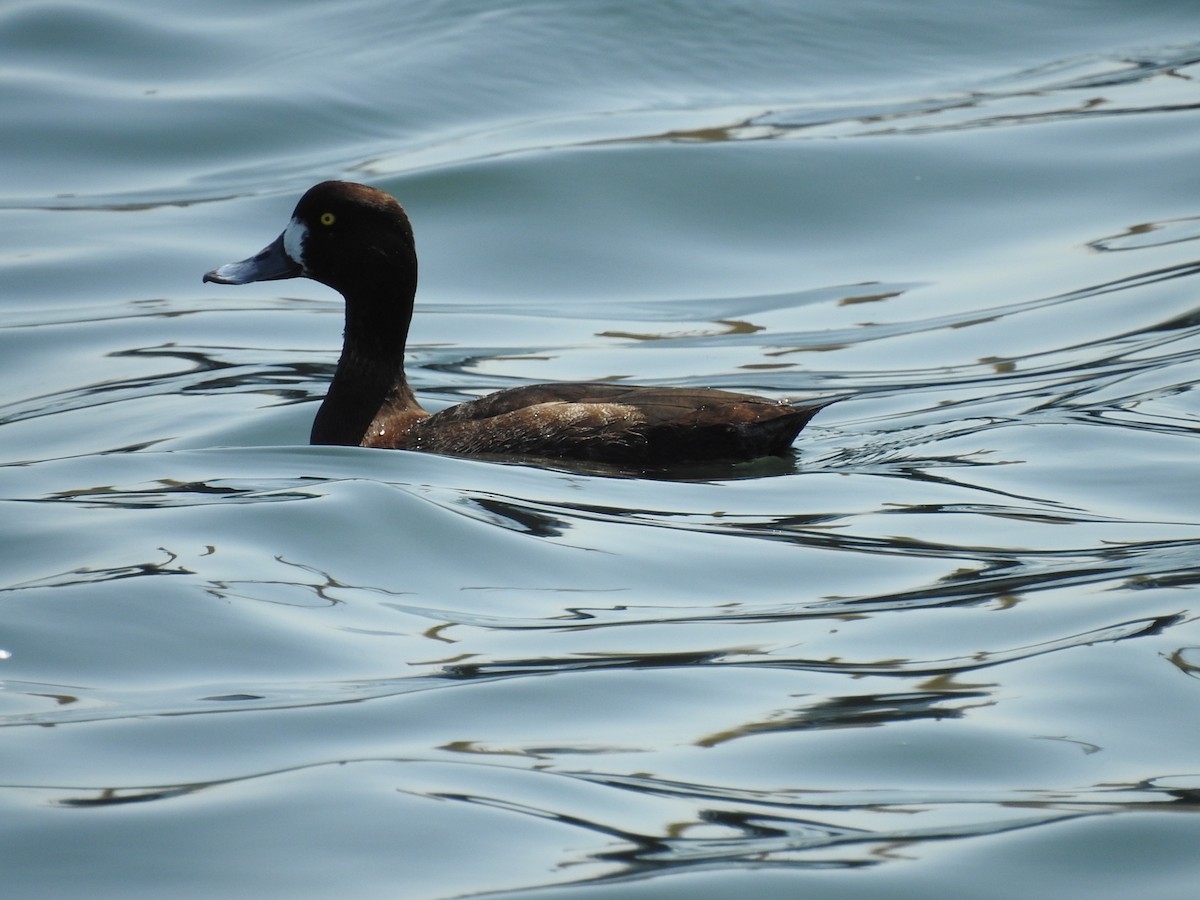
[352,237]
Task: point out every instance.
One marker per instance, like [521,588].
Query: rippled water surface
[948,649]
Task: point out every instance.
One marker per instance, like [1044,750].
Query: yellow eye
[328,218]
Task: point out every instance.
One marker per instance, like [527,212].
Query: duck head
[352,237]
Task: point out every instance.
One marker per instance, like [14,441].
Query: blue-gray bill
[272,263]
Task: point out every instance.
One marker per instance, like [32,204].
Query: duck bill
[269,264]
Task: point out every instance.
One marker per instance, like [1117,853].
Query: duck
[357,240]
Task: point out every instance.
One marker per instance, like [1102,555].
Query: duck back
[614,423]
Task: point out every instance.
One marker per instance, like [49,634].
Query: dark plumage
[358,241]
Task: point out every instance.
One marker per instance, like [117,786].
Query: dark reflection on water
[902,667]
[165,494]
[709,825]
[982,574]
[86,576]
[860,711]
[949,700]
[1056,92]
[207,375]
[769,834]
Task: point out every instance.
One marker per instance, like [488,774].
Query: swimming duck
[358,240]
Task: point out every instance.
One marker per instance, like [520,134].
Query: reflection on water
[1070,89]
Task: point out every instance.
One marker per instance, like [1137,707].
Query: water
[947,649]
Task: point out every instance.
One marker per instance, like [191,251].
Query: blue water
[948,649]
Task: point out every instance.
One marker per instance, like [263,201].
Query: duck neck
[369,386]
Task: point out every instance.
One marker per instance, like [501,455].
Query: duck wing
[615,423]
